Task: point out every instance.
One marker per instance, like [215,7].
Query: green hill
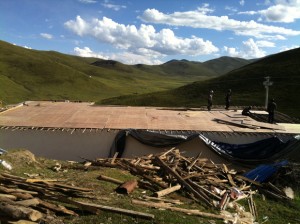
[187,68]
[223,65]
[44,75]
[174,68]
[245,82]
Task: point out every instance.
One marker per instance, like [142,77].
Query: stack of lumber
[213,185]
[199,178]
[39,200]
[32,199]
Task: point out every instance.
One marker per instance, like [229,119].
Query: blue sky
[153,32]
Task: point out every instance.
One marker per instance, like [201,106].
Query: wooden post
[167,191]
[109,179]
[20,212]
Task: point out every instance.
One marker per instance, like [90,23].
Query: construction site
[172,157]
[70,130]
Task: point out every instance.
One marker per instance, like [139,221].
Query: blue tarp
[263,151]
[263,172]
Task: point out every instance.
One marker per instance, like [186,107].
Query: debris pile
[40,200]
[197,179]
[212,185]
[29,199]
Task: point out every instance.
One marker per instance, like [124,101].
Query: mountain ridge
[32,75]
[246,83]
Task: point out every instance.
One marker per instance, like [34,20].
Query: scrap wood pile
[212,185]
[29,199]
[39,200]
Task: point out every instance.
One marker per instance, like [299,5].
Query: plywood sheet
[86,115]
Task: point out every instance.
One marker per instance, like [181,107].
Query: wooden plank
[234,122]
[181,180]
[109,179]
[118,210]
[9,196]
[167,191]
[186,211]
[249,180]
[19,212]
[264,125]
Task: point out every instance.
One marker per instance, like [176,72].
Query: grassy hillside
[174,68]
[246,84]
[223,65]
[31,75]
[187,68]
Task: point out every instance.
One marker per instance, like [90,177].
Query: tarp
[258,152]
[148,138]
[263,172]
[263,151]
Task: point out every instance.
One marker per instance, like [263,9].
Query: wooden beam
[118,210]
[181,180]
[167,191]
[186,211]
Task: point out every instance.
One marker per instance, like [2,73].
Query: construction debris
[197,179]
[127,187]
[39,200]
[212,185]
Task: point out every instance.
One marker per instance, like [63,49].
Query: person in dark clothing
[247,111]
[209,100]
[272,106]
[228,99]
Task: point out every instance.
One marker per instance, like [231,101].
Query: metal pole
[267,96]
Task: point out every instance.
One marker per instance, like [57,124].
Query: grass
[23,162]
[44,75]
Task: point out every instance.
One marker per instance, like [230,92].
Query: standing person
[272,106]
[228,99]
[209,100]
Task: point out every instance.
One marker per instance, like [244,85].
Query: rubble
[212,185]
[40,200]
[197,179]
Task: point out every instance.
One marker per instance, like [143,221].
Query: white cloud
[87,52]
[27,47]
[131,58]
[109,5]
[250,49]
[242,2]
[231,51]
[46,36]
[286,48]
[88,1]
[248,13]
[140,40]
[124,57]
[285,11]
[205,9]
[264,43]
[199,19]
[232,9]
